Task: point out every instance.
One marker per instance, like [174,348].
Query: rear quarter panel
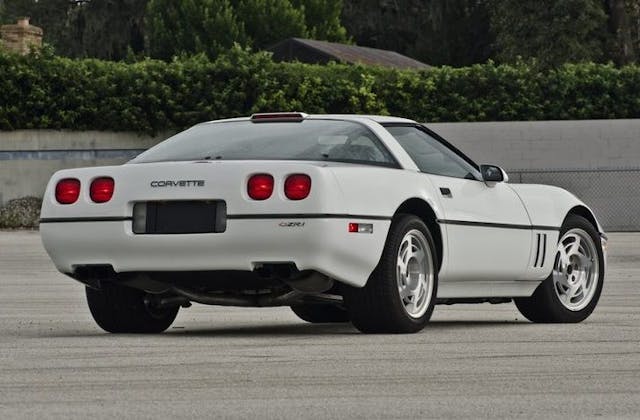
[380,191]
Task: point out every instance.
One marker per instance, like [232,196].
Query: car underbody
[269,285]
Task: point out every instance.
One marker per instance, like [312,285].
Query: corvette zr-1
[367,219]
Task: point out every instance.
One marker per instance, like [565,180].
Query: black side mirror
[492,173]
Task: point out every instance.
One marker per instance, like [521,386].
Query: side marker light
[360,228]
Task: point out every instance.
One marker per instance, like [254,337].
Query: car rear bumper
[320,244]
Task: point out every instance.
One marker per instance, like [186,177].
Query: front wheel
[400,294]
[120,309]
[572,291]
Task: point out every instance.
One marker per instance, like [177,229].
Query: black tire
[120,309]
[377,307]
[318,314]
[544,306]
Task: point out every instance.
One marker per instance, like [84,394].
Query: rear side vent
[541,249]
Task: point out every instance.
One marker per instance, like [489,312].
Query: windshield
[330,140]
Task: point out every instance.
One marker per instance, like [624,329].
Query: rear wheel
[320,313]
[400,294]
[572,291]
[120,309]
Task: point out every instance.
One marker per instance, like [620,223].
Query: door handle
[446,192]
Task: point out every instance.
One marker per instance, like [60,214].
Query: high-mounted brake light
[101,189]
[260,186]
[68,190]
[279,117]
[297,186]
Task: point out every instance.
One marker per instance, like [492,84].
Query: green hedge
[152,96]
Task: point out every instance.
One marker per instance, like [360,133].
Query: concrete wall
[28,158]
[539,145]
[599,161]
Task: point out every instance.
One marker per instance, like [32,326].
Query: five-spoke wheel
[576,269]
[414,273]
[400,293]
[571,292]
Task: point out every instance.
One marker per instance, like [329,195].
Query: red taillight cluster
[296,186]
[68,190]
[100,191]
[260,186]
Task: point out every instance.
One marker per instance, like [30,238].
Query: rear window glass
[317,140]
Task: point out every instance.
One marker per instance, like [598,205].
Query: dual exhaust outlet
[306,287]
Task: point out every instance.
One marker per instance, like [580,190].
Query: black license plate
[175,217]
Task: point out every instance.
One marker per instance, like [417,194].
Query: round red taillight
[101,189]
[297,186]
[68,190]
[260,186]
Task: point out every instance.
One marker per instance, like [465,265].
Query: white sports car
[367,219]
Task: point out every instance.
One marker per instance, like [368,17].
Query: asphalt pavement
[472,361]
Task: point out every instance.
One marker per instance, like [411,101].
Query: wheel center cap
[413,274]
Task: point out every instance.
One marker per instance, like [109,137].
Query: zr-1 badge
[291,224]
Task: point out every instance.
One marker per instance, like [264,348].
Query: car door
[487,228]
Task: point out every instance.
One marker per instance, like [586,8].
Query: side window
[430,155]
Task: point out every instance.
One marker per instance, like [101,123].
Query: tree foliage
[105,29]
[192,26]
[624,25]
[213,26]
[111,29]
[323,19]
[463,32]
[437,32]
[269,21]
[551,31]
[49,14]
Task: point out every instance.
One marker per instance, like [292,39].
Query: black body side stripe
[495,225]
[305,216]
[535,264]
[230,216]
[544,248]
[309,216]
[83,219]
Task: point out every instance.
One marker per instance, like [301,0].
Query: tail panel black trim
[83,219]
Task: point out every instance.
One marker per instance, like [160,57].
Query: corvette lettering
[178,183]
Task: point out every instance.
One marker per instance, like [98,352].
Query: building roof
[312,51]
